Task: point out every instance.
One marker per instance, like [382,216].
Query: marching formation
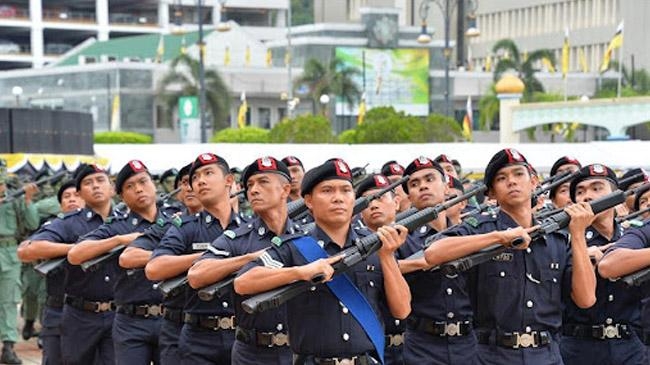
[273,264]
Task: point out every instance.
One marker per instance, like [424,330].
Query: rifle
[632,215]
[556,181]
[296,208]
[21,191]
[49,267]
[163,198]
[362,248]
[240,192]
[94,263]
[172,287]
[406,213]
[551,224]
[631,178]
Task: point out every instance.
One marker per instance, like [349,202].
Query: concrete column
[102,19]
[506,103]
[281,18]
[216,13]
[36,33]
[163,14]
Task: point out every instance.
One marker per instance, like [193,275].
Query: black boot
[28,329]
[9,355]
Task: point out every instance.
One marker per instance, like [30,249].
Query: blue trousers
[422,348]
[245,354]
[136,340]
[86,337]
[51,336]
[170,333]
[198,346]
[394,355]
[630,351]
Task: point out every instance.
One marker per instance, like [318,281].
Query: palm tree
[337,79]
[184,77]
[525,68]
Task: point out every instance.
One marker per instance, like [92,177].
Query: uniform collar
[507,220]
[262,229]
[591,234]
[321,236]
[208,219]
[136,219]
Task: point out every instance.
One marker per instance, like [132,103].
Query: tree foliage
[348,136]
[241,135]
[304,128]
[334,79]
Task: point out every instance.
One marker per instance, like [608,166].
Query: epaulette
[242,230]
[60,215]
[476,220]
[183,219]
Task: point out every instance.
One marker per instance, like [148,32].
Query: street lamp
[324,101]
[202,101]
[223,26]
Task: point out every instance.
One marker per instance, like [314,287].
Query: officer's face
[426,188]
[297,173]
[562,196]
[187,195]
[591,189]
[629,201]
[644,202]
[512,185]
[455,210]
[71,200]
[139,192]
[267,191]
[449,169]
[96,189]
[404,202]
[211,184]
[331,202]
[381,211]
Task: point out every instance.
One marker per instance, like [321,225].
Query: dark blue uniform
[320,326]
[606,333]
[517,297]
[260,338]
[393,327]
[439,329]
[208,332]
[136,327]
[84,333]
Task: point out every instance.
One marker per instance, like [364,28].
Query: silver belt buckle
[103,307]
[154,310]
[452,329]
[226,323]
[526,340]
[280,339]
[611,331]
[396,340]
[349,361]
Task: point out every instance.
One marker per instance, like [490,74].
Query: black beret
[642,176]
[168,173]
[443,158]
[503,158]
[131,168]
[564,160]
[371,182]
[85,170]
[422,163]
[184,171]
[207,159]
[455,184]
[392,168]
[264,165]
[292,161]
[594,171]
[639,194]
[65,186]
[331,169]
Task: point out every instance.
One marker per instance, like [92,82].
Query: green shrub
[348,136]
[241,135]
[122,138]
[305,128]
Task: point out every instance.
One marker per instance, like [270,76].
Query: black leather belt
[261,339]
[394,340]
[141,310]
[601,332]
[54,301]
[354,360]
[89,306]
[515,340]
[214,323]
[442,329]
[173,315]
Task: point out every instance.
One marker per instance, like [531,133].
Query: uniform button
[611,298]
[397,322]
[225,304]
[449,291]
[321,243]
[313,288]
[345,310]
[528,329]
[450,315]
[372,284]
[529,304]
[608,321]
[554,280]
[528,250]
[346,337]
[279,327]
[502,274]
[107,278]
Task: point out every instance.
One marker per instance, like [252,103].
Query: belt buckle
[346,361]
[611,331]
[452,329]
[396,340]
[525,340]
[154,310]
[225,323]
[102,307]
[280,339]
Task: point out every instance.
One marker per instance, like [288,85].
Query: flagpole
[620,61]
[566,86]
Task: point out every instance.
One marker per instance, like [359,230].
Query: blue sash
[348,294]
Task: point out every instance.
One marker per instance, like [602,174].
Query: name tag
[200,246]
[504,257]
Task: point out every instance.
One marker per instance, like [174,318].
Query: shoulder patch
[277,241]
[230,234]
[109,220]
[177,220]
[472,221]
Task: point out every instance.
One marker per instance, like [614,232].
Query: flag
[468,120]
[524,57]
[488,63]
[565,54]
[115,113]
[243,108]
[549,66]
[183,46]
[226,56]
[269,58]
[247,56]
[362,111]
[616,42]
[160,51]
[582,59]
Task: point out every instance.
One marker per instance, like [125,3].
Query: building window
[264,118]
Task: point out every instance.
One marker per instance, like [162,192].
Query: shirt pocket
[371,284]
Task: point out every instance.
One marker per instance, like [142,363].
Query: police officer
[640,177]
[167,180]
[516,297]
[321,326]
[447,165]
[456,188]
[607,331]
[50,336]
[10,213]
[297,171]
[262,338]
[439,330]
[84,333]
[565,164]
[394,171]
[208,332]
[381,212]
[137,322]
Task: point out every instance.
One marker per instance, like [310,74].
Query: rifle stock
[172,287]
[638,278]
[94,263]
[49,267]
